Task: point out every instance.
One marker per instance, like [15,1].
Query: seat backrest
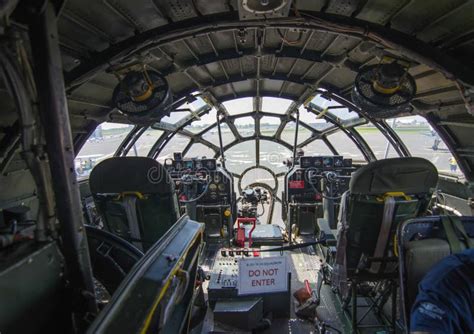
[135,197]
[381,195]
[422,243]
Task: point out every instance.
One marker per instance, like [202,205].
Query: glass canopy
[258,137]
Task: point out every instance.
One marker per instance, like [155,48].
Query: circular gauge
[217,178]
[338,162]
[212,187]
[317,162]
[211,164]
[222,187]
[198,164]
[327,162]
[188,164]
[305,162]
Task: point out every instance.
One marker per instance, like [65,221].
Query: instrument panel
[191,164]
[325,162]
[211,191]
[297,183]
[220,188]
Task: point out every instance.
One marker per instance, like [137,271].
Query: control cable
[187,181]
[295,246]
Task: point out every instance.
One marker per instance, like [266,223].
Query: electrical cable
[295,42]
[294,246]
[200,196]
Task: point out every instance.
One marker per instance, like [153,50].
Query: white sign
[262,275]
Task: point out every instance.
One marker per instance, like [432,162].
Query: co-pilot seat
[422,243]
[135,197]
[381,195]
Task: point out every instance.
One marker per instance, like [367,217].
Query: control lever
[331,176]
[190,189]
[308,301]
[312,177]
[327,184]
[240,240]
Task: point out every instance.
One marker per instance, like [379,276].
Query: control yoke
[190,195]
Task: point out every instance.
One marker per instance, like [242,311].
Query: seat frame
[387,189]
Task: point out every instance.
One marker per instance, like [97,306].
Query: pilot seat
[381,195]
[135,197]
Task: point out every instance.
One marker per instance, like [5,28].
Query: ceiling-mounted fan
[384,90]
[143,94]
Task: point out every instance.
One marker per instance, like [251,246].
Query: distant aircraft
[84,163]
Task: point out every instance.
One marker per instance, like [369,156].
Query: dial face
[328,162]
[213,187]
[318,162]
[221,187]
[338,162]
[198,164]
[211,164]
[305,162]
[217,178]
[188,164]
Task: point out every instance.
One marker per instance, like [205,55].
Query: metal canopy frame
[412,47]
[310,23]
[347,127]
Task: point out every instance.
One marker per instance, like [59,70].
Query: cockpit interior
[235,166]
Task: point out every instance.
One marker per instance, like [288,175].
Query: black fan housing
[384,90]
[255,9]
[143,94]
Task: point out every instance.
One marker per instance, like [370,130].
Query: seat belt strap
[384,234]
[130,206]
[457,223]
[453,241]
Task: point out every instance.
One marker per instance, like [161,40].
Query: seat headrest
[408,175]
[130,174]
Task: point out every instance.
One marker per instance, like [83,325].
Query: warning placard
[262,275]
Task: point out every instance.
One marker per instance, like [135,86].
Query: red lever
[308,287]
[247,220]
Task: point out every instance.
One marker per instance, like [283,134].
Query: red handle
[308,287]
[248,220]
